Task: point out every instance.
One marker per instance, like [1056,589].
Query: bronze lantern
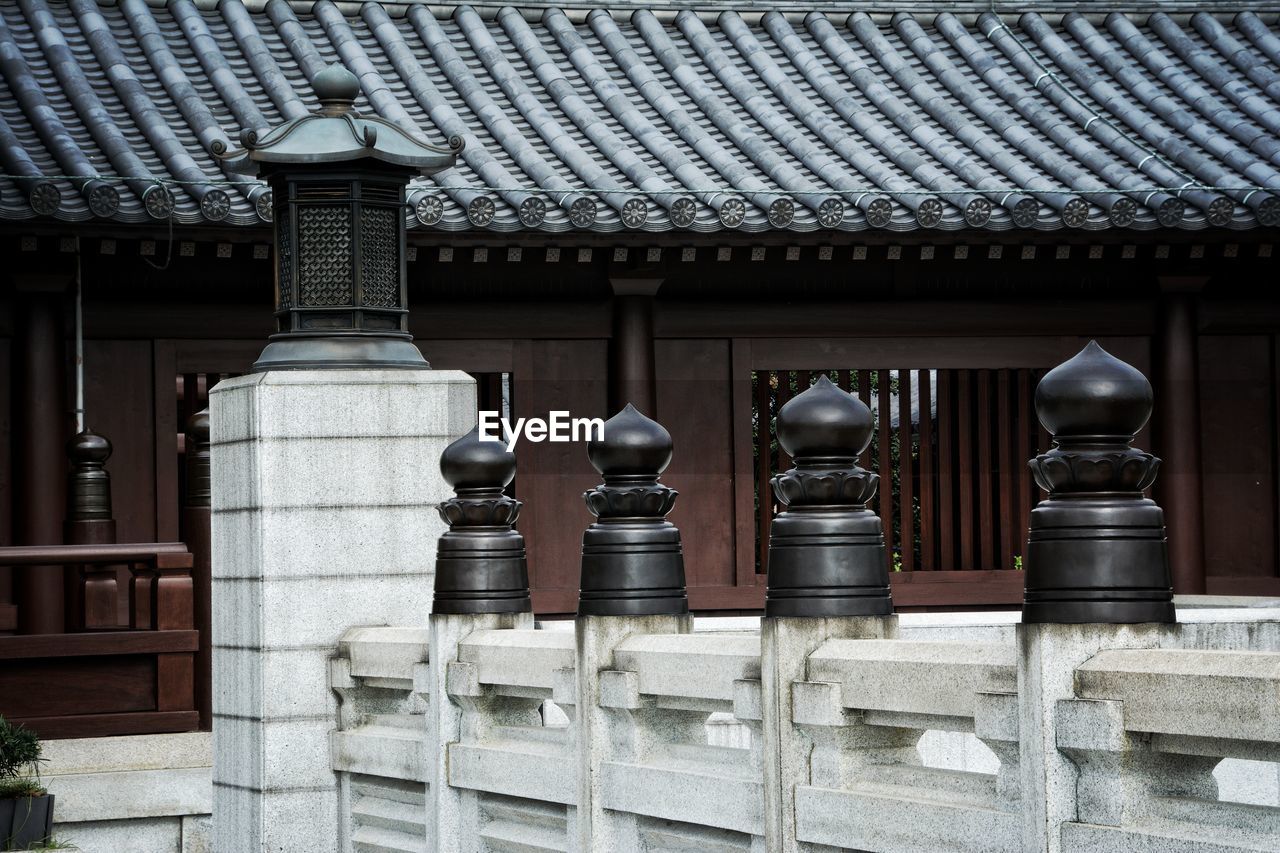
[338,183]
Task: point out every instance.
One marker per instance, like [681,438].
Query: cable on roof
[1192,184]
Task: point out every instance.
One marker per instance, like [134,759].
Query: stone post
[827,577]
[324,517]
[481,583]
[632,583]
[1096,555]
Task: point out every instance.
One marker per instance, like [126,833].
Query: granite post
[325,488]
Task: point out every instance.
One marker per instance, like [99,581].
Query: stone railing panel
[915,677]
[663,779]
[1142,730]
[865,707]
[702,665]
[1239,691]
[1146,732]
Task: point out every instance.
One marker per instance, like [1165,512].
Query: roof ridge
[1095,11]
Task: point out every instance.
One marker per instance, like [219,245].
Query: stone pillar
[632,582]
[481,582]
[827,577]
[1178,433]
[325,488]
[785,645]
[600,730]
[631,351]
[39,465]
[447,807]
[1048,655]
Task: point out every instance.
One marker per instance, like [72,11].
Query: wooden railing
[100,677]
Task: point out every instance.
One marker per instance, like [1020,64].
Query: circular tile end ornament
[977,212]
[634,213]
[879,212]
[481,210]
[158,202]
[683,211]
[215,205]
[532,212]
[831,213]
[782,212]
[583,212]
[929,213]
[732,212]
[1123,212]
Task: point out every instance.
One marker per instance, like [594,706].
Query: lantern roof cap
[337,133]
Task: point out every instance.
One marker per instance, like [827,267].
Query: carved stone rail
[1143,718]
[865,706]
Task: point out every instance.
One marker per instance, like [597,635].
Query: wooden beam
[26,646]
[110,725]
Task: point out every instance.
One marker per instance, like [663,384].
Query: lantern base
[632,568]
[348,352]
[1097,559]
[827,562]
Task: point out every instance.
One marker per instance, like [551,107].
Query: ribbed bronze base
[481,571]
[827,563]
[1097,560]
[632,569]
[363,352]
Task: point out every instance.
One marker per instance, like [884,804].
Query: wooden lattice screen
[951,448]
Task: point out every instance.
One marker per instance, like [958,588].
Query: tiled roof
[662,122]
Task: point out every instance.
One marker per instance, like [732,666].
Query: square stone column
[785,645]
[1048,655]
[325,486]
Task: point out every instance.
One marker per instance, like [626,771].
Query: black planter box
[25,821]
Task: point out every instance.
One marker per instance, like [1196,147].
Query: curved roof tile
[661,122]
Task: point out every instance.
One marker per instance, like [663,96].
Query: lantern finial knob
[632,445]
[337,88]
[88,449]
[1093,393]
[474,463]
[824,421]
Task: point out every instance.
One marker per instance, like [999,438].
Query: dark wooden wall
[715,324]
[1238,417]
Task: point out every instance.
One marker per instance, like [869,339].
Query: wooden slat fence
[951,448]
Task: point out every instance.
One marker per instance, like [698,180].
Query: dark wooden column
[631,356]
[40,426]
[196,509]
[1177,429]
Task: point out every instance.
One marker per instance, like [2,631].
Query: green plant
[19,761]
[13,789]
[54,843]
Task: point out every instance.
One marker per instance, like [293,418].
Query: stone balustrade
[865,706]
[1146,715]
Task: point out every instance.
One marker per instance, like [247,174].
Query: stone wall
[141,794]
[811,735]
